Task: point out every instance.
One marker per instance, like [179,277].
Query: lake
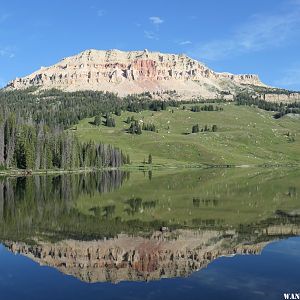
[194,234]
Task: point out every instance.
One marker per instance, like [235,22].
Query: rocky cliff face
[164,255]
[136,72]
[288,98]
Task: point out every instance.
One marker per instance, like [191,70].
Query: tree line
[196,128]
[280,109]
[32,127]
[33,136]
[210,107]
[37,146]
[63,109]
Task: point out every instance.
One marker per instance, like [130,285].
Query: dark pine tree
[97,120]
[195,128]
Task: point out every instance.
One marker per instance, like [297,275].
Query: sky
[257,36]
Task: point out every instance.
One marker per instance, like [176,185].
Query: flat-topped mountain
[136,72]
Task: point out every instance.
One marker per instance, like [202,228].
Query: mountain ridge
[134,72]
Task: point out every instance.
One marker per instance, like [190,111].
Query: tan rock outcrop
[136,72]
[288,98]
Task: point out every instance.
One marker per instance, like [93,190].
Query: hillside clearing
[245,135]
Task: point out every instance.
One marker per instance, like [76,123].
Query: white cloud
[156,20]
[183,43]
[150,35]
[259,33]
[7,52]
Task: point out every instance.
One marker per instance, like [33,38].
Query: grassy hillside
[245,135]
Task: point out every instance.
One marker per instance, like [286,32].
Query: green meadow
[245,136]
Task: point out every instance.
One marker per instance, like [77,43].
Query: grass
[245,136]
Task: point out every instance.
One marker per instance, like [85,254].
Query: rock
[164,229]
[136,72]
[289,97]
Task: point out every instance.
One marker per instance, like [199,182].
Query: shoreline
[137,167]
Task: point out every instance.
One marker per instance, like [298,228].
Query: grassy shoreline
[247,137]
[140,167]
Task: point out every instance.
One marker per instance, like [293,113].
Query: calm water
[204,234]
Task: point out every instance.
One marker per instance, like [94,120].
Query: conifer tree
[195,128]
[214,128]
[97,120]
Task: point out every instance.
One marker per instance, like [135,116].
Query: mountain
[136,72]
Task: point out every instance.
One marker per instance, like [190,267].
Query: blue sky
[237,36]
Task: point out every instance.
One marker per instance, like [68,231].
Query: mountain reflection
[115,226]
[163,255]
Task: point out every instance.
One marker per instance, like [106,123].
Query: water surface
[217,234]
